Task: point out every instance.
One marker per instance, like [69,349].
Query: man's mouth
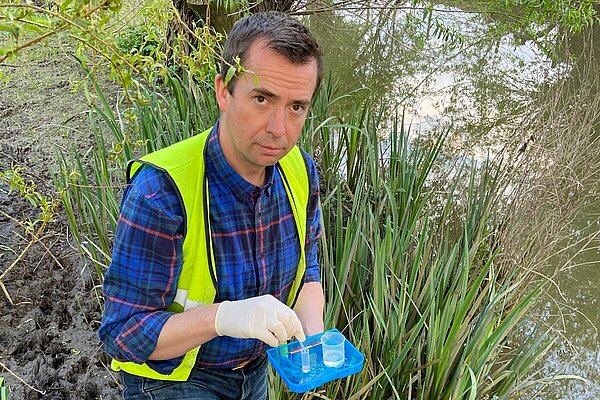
[270,150]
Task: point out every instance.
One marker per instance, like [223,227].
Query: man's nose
[276,125]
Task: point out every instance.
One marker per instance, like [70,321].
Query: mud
[48,343]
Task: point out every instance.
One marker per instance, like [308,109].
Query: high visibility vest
[184,164]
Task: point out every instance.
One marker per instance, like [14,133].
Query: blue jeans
[247,383]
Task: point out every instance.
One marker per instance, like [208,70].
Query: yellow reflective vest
[184,164]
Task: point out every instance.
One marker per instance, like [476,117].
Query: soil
[49,348]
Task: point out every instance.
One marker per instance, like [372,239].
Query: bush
[140,39]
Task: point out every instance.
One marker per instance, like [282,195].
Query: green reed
[412,267]
[161,115]
[3,395]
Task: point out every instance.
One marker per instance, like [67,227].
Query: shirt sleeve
[313,223]
[141,280]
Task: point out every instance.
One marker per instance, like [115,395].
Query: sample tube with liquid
[305,356]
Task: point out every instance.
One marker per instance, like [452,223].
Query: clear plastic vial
[305,355]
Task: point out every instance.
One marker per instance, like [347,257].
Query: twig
[47,248]
[6,293]
[42,243]
[33,240]
[193,34]
[110,372]
[63,26]
[6,248]
[4,367]
[33,41]
[361,7]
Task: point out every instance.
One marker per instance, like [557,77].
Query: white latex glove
[264,318]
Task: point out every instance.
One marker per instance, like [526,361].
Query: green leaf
[115,5]
[65,5]
[82,23]
[230,73]
[10,28]
[2,389]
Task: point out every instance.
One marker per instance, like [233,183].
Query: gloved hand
[264,318]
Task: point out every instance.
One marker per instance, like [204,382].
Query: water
[484,90]
[333,359]
[574,315]
[305,355]
[333,349]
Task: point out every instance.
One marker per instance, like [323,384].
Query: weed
[48,210]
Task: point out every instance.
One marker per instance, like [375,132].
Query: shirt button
[262,256]
[260,214]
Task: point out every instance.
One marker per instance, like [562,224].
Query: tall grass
[411,260]
[162,115]
[412,266]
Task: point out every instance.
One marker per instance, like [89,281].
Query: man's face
[262,120]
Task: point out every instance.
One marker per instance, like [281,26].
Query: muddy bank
[48,337]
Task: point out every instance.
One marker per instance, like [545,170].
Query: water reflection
[579,352]
[485,87]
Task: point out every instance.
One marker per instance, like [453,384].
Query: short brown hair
[281,33]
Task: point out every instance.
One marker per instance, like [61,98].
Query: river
[460,73]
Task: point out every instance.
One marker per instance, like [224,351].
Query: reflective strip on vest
[184,164]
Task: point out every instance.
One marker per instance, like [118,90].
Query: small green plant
[28,191]
[47,205]
[141,39]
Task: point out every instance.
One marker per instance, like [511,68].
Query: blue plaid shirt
[256,252]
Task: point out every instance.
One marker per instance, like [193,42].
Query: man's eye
[260,99]
[297,108]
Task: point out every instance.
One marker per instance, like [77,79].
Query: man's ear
[221,92]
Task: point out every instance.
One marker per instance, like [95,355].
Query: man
[215,253]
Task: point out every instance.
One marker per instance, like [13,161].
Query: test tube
[305,356]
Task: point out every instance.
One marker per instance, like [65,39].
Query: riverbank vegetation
[430,259]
